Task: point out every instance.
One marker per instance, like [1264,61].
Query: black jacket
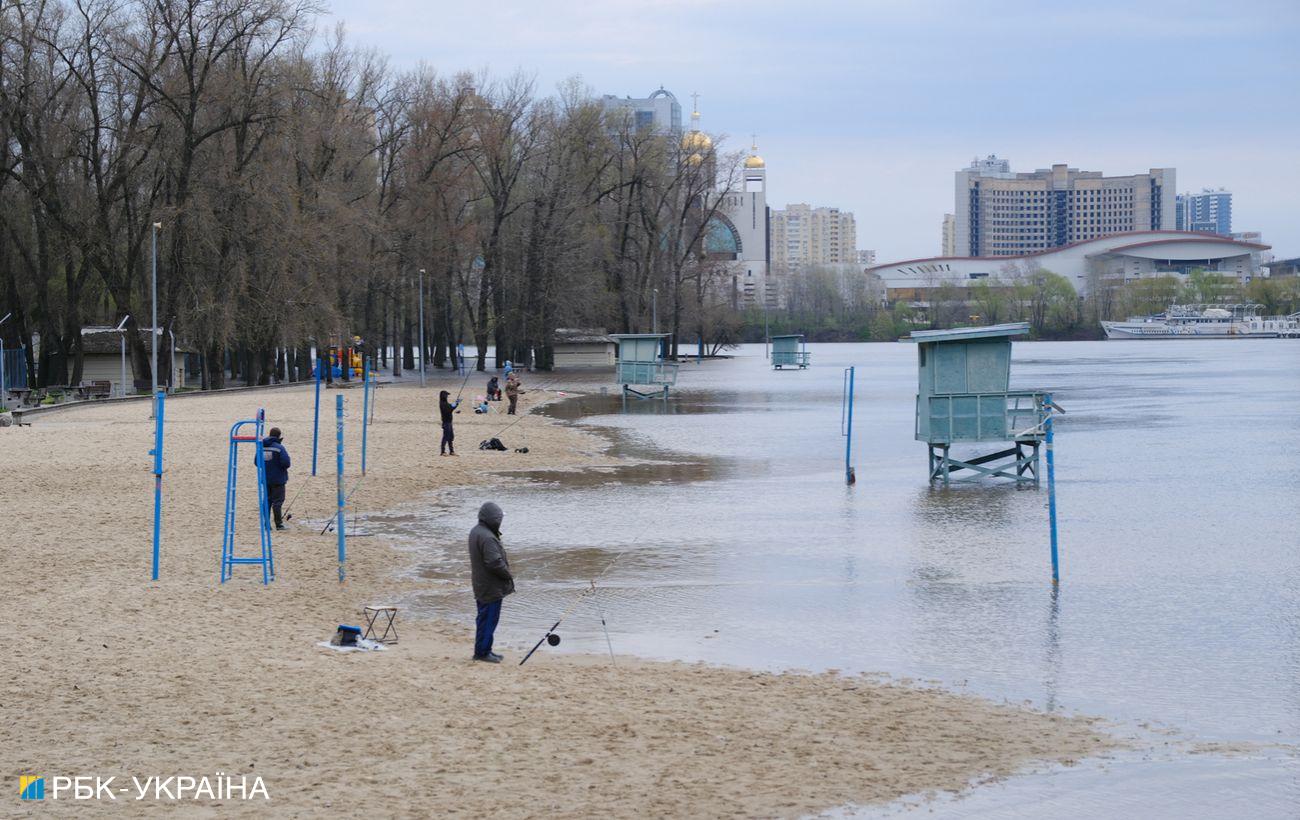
[446,408]
[489,567]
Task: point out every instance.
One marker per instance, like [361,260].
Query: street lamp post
[121,333]
[422,327]
[153,326]
[654,311]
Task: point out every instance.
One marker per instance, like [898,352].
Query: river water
[738,542]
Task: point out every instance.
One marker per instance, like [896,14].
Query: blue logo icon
[31,787]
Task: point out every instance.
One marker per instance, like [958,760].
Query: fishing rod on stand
[552,637]
[289,507]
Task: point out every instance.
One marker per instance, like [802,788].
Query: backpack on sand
[491,444]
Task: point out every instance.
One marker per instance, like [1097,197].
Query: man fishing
[276,460]
[512,392]
[446,409]
[491,577]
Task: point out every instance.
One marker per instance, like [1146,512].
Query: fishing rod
[287,513]
[468,373]
[329,524]
[552,638]
[523,416]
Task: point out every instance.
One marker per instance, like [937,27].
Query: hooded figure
[445,409]
[492,579]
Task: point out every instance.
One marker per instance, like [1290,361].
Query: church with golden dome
[738,234]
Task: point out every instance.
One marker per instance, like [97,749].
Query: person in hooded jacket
[276,459]
[445,410]
[491,578]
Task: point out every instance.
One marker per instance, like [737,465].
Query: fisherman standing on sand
[276,459]
[445,409]
[512,392]
[491,576]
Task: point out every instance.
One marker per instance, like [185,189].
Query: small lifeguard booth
[789,351]
[963,398]
[640,364]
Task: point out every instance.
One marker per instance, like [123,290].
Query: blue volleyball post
[157,453]
[365,409]
[846,425]
[341,518]
[1051,488]
[315,419]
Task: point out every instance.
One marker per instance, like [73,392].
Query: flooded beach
[734,540]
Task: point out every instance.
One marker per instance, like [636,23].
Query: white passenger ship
[1206,322]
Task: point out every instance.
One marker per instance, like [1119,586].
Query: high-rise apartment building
[866,258]
[949,235]
[803,235]
[1209,212]
[1002,213]
[660,112]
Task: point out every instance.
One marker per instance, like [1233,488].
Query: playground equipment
[640,363]
[337,356]
[963,397]
[228,557]
[790,351]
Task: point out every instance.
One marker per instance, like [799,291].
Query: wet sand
[121,676]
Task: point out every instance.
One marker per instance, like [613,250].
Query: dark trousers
[484,627]
[275,501]
[513,401]
[448,437]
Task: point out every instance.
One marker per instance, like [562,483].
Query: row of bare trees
[300,185]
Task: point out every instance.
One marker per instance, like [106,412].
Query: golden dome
[694,159]
[696,141]
[755,161]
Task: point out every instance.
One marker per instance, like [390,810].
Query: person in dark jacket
[276,460]
[445,409]
[490,573]
[494,389]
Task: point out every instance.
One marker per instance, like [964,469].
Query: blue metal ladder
[228,557]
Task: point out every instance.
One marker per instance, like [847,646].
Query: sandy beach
[121,676]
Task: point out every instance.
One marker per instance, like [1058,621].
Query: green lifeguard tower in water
[789,351]
[640,367]
[963,397]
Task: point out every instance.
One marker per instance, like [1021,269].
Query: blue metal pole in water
[340,522]
[365,409]
[849,478]
[315,419]
[1051,489]
[157,453]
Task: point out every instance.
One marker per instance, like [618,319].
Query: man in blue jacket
[276,459]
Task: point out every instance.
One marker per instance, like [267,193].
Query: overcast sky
[872,105]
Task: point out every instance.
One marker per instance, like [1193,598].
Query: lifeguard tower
[963,398]
[789,351]
[640,364]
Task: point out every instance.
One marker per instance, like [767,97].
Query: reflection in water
[737,542]
[1052,669]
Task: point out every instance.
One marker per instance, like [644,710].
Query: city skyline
[872,107]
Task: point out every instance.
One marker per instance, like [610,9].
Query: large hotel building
[1001,213]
